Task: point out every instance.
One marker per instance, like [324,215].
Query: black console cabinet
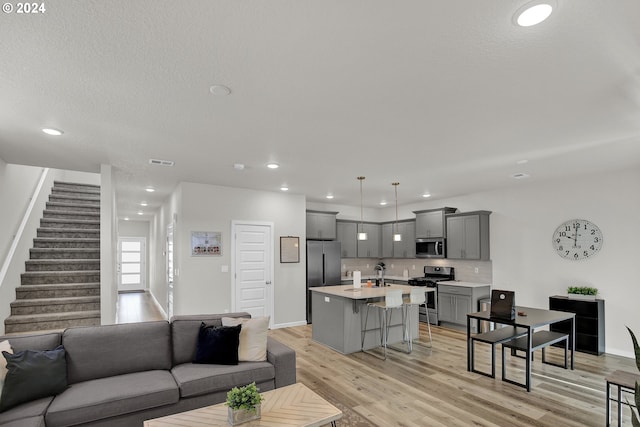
[589,322]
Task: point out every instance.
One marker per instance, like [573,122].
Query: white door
[170,270]
[131,264]
[252,268]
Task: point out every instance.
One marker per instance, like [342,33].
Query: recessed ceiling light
[273,165]
[144,204]
[522,162]
[220,90]
[238,166]
[52,131]
[519,175]
[150,189]
[533,13]
[140,213]
[126,218]
[329,196]
[383,203]
[284,188]
[425,195]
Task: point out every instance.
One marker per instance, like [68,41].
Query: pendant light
[361,233]
[397,237]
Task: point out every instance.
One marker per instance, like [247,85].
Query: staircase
[61,283]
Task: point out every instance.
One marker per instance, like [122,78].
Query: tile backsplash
[465,271]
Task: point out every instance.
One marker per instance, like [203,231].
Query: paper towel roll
[356,279]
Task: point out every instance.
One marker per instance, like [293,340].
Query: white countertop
[349,292]
[373,277]
[464,284]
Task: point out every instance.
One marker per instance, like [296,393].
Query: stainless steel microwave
[430,248]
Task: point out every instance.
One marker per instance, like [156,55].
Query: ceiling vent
[519,175]
[158,162]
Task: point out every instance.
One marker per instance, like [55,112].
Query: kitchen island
[339,315]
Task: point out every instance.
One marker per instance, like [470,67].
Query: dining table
[530,319]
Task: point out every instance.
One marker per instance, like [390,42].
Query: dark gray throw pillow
[32,375]
[218,345]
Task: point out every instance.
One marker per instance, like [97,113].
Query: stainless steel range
[432,275]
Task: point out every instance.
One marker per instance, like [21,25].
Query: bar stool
[416,298]
[392,300]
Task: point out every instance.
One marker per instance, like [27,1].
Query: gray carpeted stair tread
[62,300]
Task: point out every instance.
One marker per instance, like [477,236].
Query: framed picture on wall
[289,249]
[206,243]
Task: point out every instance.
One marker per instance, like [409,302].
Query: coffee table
[293,405]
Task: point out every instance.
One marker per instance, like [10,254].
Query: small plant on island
[635,421]
[246,397]
[582,290]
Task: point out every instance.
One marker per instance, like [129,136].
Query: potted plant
[582,292]
[244,404]
[635,421]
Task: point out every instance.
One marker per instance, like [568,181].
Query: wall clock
[577,239]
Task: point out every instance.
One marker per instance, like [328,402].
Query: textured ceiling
[443,96]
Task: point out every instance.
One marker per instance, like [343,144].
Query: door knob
[268,282]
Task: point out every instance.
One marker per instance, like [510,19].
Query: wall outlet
[391,265]
[367,265]
[327,299]
[476,270]
[413,267]
[224,268]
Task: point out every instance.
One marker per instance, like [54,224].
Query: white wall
[201,287]
[108,246]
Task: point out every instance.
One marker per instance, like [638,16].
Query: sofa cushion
[27,422]
[33,374]
[184,333]
[110,350]
[253,337]
[46,341]
[195,379]
[32,409]
[113,396]
[218,344]
[4,347]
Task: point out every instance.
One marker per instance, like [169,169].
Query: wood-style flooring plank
[431,387]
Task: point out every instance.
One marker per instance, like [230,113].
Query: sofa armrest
[283,358]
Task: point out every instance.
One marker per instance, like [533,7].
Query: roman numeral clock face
[577,239]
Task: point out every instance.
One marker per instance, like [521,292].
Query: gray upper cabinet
[406,248]
[370,248]
[347,235]
[431,223]
[321,225]
[468,235]
[387,240]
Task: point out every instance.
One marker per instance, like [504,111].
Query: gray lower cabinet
[347,236]
[321,225]
[454,302]
[468,235]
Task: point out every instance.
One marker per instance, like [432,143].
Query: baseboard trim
[288,325]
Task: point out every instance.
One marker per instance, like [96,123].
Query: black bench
[497,336]
[539,340]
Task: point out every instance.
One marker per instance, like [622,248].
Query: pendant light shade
[397,237]
[361,233]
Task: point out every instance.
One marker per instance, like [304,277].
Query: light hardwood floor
[137,307]
[431,387]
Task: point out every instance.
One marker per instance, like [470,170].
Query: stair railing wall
[13,264]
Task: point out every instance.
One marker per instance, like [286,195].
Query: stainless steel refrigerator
[323,266]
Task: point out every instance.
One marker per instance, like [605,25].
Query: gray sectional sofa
[121,375]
